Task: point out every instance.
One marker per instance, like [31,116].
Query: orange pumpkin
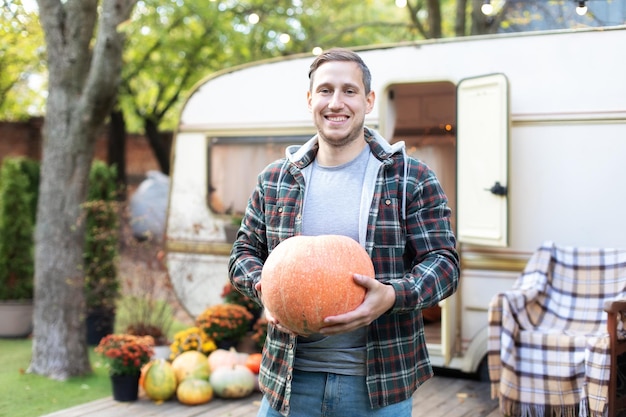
[253,362]
[308,278]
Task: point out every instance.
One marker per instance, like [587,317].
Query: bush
[101,239]
[31,168]
[18,190]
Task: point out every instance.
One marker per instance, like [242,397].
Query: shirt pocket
[280,222]
[389,245]
[390,230]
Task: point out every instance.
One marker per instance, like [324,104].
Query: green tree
[21,60]
[445,18]
[159,69]
[203,38]
[84,56]
[342,23]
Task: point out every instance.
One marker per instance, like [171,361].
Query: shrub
[101,239]
[17,219]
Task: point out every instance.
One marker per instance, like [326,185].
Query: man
[348,180]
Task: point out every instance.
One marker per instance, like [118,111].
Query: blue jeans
[319,394]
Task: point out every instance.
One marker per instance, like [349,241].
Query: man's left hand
[379,298]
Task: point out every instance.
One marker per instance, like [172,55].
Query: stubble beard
[352,136]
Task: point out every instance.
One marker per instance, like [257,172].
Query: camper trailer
[526,132]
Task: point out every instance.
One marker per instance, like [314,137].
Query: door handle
[497,189]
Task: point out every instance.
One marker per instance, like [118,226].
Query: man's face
[338,102]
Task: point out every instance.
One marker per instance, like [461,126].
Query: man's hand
[268,315]
[379,298]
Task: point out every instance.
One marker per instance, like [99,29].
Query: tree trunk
[158,145]
[117,148]
[82,86]
[459,21]
[434,19]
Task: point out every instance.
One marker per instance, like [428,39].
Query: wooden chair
[556,336]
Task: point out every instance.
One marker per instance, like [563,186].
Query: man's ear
[370,99]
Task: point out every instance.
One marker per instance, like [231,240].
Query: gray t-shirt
[331,206]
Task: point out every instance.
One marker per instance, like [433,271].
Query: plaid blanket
[548,347]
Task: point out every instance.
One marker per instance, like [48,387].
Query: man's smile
[336,118]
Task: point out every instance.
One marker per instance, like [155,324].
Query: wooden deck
[442,396]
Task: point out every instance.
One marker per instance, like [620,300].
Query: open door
[483,118]
[422,114]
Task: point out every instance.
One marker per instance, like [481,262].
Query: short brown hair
[340,54]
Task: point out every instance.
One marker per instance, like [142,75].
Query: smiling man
[348,180]
[339,100]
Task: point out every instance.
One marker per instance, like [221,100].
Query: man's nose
[336,101]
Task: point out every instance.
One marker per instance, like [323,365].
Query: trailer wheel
[482,373]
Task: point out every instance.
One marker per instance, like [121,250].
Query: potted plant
[145,308]
[101,252]
[225,323]
[192,338]
[148,317]
[259,333]
[230,295]
[18,194]
[125,356]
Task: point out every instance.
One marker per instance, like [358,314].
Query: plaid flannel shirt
[416,255]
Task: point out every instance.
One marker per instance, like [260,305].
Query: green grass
[28,395]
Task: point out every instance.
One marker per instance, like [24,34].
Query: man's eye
[324,91]
[351,92]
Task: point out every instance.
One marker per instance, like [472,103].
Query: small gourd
[159,381]
[194,391]
[191,364]
[224,357]
[235,381]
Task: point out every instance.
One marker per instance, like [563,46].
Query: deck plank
[441,396]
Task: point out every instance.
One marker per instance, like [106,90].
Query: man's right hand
[268,315]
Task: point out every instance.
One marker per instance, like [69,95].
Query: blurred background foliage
[173,44]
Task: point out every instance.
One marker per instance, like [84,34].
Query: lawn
[28,395]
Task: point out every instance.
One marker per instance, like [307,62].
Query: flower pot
[17,318]
[161,352]
[226,344]
[125,387]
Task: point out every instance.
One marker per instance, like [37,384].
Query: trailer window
[235,162]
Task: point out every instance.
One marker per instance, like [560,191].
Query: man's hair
[345,55]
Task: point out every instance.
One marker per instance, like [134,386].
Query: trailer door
[483,118]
